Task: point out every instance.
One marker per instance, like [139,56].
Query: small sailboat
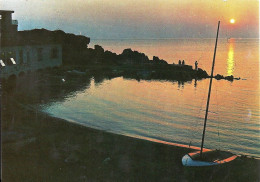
[207,157]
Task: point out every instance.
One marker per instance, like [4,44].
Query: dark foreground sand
[40,148]
[37,147]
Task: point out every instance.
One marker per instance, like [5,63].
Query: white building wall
[29,58]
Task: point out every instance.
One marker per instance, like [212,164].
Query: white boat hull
[188,161]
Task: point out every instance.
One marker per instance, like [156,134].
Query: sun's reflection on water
[230,59]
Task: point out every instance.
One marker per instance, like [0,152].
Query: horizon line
[172,38]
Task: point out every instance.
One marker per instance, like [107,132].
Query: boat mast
[211,77]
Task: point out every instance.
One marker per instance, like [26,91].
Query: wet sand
[37,147]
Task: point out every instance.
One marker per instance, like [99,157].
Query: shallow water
[172,111]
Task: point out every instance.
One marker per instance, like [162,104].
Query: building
[19,55]
[8,27]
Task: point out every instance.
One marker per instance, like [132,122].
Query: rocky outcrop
[157,60]
[133,57]
[229,78]
[131,63]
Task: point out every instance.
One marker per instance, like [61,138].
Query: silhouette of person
[183,63]
[196,65]
[179,62]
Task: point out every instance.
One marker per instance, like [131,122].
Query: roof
[6,12]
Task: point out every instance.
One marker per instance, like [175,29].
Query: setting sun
[232,21]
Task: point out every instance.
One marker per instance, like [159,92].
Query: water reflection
[180,84]
[195,83]
[163,110]
[230,59]
[44,87]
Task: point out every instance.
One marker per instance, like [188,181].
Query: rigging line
[201,103]
[218,118]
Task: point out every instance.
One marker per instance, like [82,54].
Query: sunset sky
[114,19]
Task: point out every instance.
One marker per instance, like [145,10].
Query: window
[39,54]
[10,61]
[8,57]
[54,53]
[11,54]
[21,56]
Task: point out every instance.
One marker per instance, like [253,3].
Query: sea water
[175,111]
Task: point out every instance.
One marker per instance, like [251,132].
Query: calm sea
[172,111]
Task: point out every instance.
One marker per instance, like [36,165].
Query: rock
[158,61]
[229,78]
[99,48]
[72,158]
[133,57]
[106,160]
[202,73]
[218,77]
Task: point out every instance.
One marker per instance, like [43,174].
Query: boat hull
[190,160]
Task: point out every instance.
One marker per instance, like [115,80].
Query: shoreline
[153,140]
[144,138]
[39,147]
